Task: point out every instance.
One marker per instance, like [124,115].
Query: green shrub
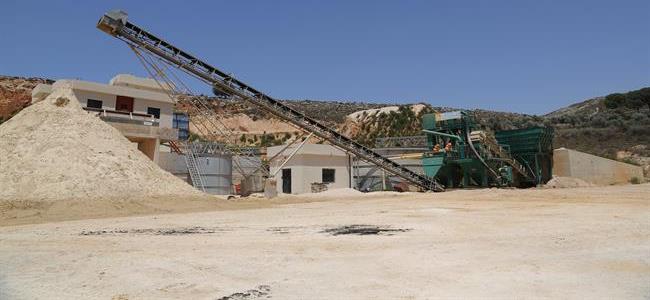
[629,160]
[635,180]
[613,101]
[195,137]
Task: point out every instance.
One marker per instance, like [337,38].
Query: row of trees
[265,140]
[403,122]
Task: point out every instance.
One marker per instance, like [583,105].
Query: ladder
[193,167]
[493,147]
[115,23]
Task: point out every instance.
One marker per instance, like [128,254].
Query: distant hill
[615,126]
[605,125]
[587,107]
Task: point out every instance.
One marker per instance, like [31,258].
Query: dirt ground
[581,243]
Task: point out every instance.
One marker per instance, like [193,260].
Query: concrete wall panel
[591,168]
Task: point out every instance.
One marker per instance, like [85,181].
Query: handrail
[131,114]
[443,134]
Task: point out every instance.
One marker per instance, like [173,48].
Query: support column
[150,147]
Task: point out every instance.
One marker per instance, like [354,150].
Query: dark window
[154,111]
[328,175]
[91,103]
[124,104]
[182,122]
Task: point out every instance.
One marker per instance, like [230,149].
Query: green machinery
[460,155]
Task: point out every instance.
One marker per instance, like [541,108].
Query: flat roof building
[312,164]
[138,107]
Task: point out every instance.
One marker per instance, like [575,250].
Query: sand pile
[53,150]
[566,182]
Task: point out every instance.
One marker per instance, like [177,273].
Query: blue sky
[521,56]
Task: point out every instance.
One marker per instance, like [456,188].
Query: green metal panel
[528,146]
[432,164]
[429,121]
[534,139]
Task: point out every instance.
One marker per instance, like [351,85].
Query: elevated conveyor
[115,23]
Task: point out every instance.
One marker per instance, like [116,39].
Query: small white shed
[313,163]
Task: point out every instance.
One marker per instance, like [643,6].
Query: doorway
[124,104]
[286,181]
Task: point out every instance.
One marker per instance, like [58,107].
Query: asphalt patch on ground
[155,231]
[261,291]
[361,229]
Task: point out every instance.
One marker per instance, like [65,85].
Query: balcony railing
[124,116]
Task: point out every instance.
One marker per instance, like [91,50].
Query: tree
[637,99]
[644,93]
[613,101]
[633,100]
[598,121]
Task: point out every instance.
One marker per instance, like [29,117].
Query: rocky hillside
[15,94]
[606,126]
[587,107]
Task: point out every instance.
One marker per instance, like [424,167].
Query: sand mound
[53,150]
[566,182]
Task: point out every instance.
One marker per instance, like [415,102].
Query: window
[328,175]
[154,111]
[91,103]
[182,122]
[124,103]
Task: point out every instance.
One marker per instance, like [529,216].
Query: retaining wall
[591,168]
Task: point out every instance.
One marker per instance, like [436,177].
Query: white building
[313,163]
[138,107]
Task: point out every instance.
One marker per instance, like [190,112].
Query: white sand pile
[53,150]
[359,115]
[566,182]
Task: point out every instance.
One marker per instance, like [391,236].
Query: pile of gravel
[566,182]
[54,150]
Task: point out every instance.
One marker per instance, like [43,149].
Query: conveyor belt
[116,24]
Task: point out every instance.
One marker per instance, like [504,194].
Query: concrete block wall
[308,168]
[595,169]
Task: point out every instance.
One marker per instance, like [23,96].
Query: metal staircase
[115,23]
[193,167]
[495,149]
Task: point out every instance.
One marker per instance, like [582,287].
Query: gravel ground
[582,243]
